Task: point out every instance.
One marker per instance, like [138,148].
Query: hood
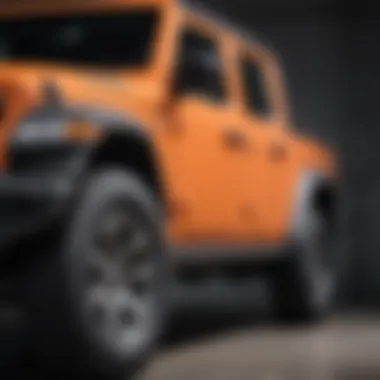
[85,86]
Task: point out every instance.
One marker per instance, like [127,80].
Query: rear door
[264,119]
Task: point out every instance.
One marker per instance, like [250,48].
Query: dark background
[330,50]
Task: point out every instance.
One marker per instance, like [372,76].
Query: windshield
[123,39]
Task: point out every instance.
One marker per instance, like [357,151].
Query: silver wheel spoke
[144,272]
[137,304]
[98,304]
[119,299]
[132,319]
[139,244]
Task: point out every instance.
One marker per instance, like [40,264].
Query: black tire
[303,286]
[80,314]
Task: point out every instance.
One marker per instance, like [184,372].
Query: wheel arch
[314,191]
[129,147]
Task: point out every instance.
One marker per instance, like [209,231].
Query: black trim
[33,188]
[30,204]
[43,157]
[37,190]
[217,255]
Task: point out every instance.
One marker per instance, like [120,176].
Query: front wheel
[97,298]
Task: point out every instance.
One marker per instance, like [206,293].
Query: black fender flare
[309,183]
[76,156]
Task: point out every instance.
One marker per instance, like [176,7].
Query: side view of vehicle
[140,141]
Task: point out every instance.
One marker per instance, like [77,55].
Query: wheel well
[325,200]
[133,153]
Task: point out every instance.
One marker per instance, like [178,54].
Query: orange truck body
[211,193]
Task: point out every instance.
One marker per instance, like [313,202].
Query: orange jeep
[142,139]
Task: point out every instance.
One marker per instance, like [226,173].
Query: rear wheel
[303,286]
[97,297]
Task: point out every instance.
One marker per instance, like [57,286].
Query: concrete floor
[343,348]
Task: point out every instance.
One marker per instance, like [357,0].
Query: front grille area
[12,321]
[16,211]
[53,158]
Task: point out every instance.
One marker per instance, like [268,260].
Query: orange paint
[217,193]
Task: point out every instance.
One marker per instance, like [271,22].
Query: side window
[199,69]
[256,95]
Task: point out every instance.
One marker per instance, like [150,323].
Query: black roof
[223,21]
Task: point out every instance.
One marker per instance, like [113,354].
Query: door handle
[234,139]
[278,152]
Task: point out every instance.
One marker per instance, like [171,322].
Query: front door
[212,145]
